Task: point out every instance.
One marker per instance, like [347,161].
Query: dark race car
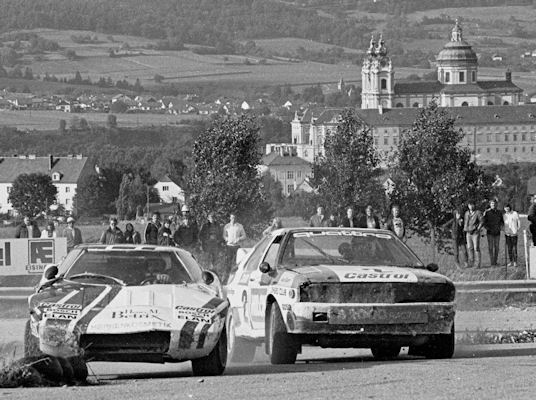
[130,303]
[338,287]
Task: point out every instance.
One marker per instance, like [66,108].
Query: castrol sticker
[373,274]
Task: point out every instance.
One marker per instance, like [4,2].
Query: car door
[259,284]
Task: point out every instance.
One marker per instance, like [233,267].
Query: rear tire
[387,352]
[282,347]
[214,363]
[31,343]
[80,370]
[437,347]
[238,349]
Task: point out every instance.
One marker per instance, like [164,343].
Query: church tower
[377,77]
[457,63]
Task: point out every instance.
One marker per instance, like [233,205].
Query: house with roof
[291,171]
[66,174]
[169,191]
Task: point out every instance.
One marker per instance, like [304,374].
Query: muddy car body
[109,303]
[338,287]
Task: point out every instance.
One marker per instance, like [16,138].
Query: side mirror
[265,268]
[208,277]
[432,267]
[50,272]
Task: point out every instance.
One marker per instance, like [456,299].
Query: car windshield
[128,267]
[351,247]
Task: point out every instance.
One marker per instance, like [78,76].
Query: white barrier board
[30,256]
[532,262]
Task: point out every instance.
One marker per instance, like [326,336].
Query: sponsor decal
[130,313]
[278,291]
[5,255]
[343,233]
[61,311]
[129,324]
[371,274]
[196,314]
[286,307]
[40,253]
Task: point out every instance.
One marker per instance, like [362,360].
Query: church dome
[457,50]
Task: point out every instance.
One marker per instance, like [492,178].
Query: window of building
[290,188]
[523,149]
[465,104]
[415,105]
[515,149]
[386,141]
[290,174]
[298,174]
[375,141]
[67,189]
[496,150]
[488,149]
[56,176]
[67,201]
[447,76]
[497,137]
[490,103]
[506,103]
[399,105]
[473,76]
[489,138]
[506,149]
[506,137]
[383,83]
[8,189]
[462,76]
[515,137]
[532,149]
[478,151]
[523,137]
[165,188]
[395,141]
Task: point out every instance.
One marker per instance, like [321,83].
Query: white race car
[130,303]
[338,287]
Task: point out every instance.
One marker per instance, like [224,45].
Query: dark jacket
[22,231]
[186,235]
[112,236]
[210,235]
[165,240]
[346,222]
[151,232]
[472,223]
[456,229]
[362,223]
[132,237]
[531,215]
[493,221]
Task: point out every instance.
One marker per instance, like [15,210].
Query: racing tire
[441,346]
[31,343]
[215,362]
[238,349]
[80,371]
[387,352]
[68,372]
[282,347]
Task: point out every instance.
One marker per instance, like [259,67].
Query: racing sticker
[61,311]
[373,274]
[196,314]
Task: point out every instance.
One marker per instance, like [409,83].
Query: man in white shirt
[233,234]
[511,229]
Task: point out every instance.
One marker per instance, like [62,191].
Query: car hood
[114,308]
[355,273]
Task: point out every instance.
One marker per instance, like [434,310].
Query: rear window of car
[347,247]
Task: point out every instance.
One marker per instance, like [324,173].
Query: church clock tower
[377,77]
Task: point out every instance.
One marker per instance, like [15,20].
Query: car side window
[254,259]
[273,252]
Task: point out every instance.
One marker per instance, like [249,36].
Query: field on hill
[282,45]
[485,14]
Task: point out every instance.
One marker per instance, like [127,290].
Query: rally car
[130,303]
[338,287]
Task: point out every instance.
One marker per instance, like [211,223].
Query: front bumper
[370,319]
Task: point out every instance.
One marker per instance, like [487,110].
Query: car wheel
[214,363]
[387,352]
[80,370]
[31,343]
[441,346]
[282,348]
[238,349]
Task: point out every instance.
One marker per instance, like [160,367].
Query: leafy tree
[224,178]
[97,193]
[32,193]
[348,173]
[273,193]
[434,174]
[132,193]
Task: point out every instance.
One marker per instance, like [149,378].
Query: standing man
[165,237]
[319,219]
[112,235]
[28,229]
[511,228]
[395,223]
[152,228]
[531,216]
[458,237]
[472,224]
[233,234]
[493,222]
[369,220]
[73,234]
[211,239]
[186,234]
[350,220]
[332,221]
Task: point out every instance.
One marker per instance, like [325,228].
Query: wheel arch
[270,301]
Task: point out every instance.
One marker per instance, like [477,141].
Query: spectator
[132,236]
[152,228]
[350,220]
[172,222]
[211,238]
[472,224]
[233,234]
[493,222]
[276,224]
[186,235]
[531,216]
[369,220]
[395,223]
[73,234]
[458,238]
[319,219]
[511,229]
[28,229]
[49,231]
[165,237]
[332,221]
[112,235]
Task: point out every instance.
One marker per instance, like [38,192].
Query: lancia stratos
[136,303]
[337,287]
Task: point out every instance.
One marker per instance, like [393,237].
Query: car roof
[129,247]
[322,229]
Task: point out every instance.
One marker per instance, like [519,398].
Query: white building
[66,173]
[169,191]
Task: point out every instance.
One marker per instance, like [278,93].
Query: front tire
[31,343]
[238,349]
[282,347]
[387,352]
[215,362]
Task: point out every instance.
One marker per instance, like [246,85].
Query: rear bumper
[371,319]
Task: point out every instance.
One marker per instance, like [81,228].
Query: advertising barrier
[30,256]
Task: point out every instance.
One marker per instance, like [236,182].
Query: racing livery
[338,287]
[130,303]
